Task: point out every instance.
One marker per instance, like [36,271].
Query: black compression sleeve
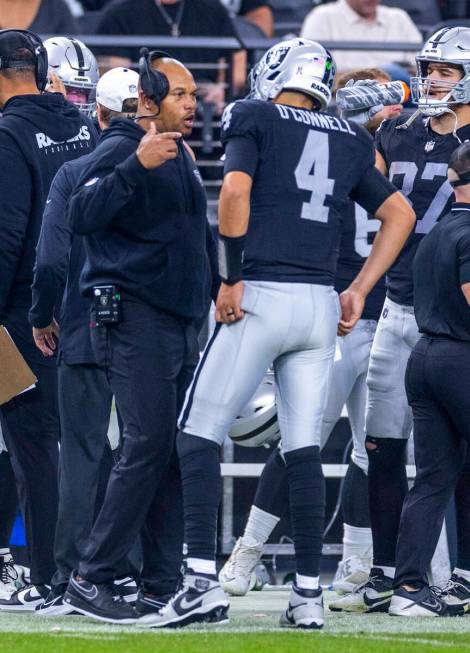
[241,155]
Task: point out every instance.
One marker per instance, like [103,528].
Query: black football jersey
[359,229]
[304,165]
[416,160]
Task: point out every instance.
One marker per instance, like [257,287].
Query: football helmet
[294,65]
[450,45]
[257,424]
[75,65]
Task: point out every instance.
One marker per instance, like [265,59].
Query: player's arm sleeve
[15,205]
[52,252]
[372,190]
[102,192]
[463,253]
[241,139]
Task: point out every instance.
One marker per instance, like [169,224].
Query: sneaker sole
[214,614]
[284,622]
[77,605]
[19,608]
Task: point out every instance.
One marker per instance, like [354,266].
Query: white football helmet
[296,65]
[75,65]
[257,424]
[450,45]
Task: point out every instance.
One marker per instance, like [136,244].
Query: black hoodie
[146,230]
[38,133]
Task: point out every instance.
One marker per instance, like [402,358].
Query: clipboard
[16,376]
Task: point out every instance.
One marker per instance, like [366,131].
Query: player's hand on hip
[155,149]
[352,305]
[45,339]
[228,306]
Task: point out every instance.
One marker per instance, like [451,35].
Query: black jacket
[38,133]
[146,230]
[60,258]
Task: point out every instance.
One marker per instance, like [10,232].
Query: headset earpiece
[154,83]
[41,63]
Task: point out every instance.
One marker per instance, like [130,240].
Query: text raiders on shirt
[44,141]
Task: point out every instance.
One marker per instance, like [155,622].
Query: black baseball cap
[13,40]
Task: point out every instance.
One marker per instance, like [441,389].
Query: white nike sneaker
[373,596]
[305,609]
[26,599]
[201,599]
[12,577]
[350,573]
[237,575]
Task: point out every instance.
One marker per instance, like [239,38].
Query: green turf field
[252,629]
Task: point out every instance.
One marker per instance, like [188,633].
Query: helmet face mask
[296,65]
[449,47]
[75,65]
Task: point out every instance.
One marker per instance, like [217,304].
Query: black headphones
[41,64]
[154,83]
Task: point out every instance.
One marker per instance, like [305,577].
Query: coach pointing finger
[142,206]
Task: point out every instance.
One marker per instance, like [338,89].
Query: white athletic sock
[259,527]
[464,573]
[356,542]
[201,566]
[388,571]
[307,582]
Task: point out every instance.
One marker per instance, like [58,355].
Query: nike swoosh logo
[48,201]
[184,604]
[90,594]
[378,601]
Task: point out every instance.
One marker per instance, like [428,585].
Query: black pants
[437,385]
[8,500]
[149,358]
[85,461]
[30,424]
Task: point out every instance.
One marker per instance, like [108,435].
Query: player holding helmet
[289,169]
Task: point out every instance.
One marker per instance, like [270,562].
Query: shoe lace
[8,572]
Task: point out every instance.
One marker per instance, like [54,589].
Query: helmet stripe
[80,57]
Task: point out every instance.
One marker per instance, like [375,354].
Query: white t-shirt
[337,21]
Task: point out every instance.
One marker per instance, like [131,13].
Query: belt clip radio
[107,305]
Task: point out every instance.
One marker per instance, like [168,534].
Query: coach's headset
[32,42]
[154,83]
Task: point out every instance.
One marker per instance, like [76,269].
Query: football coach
[141,206]
[38,133]
[437,385]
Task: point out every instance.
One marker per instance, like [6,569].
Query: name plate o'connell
[15,374]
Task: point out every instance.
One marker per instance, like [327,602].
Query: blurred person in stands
[39,16]
[362,20]
[198,18]
[258,12]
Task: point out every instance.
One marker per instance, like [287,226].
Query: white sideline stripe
[253,470]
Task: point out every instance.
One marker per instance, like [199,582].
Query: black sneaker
[53,606]
[201,599]
[25,599]
[150,603]
[425,602]
[98,601]
[456,594]
[127,588]
[373,596]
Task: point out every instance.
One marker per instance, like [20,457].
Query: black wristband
[230,251]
